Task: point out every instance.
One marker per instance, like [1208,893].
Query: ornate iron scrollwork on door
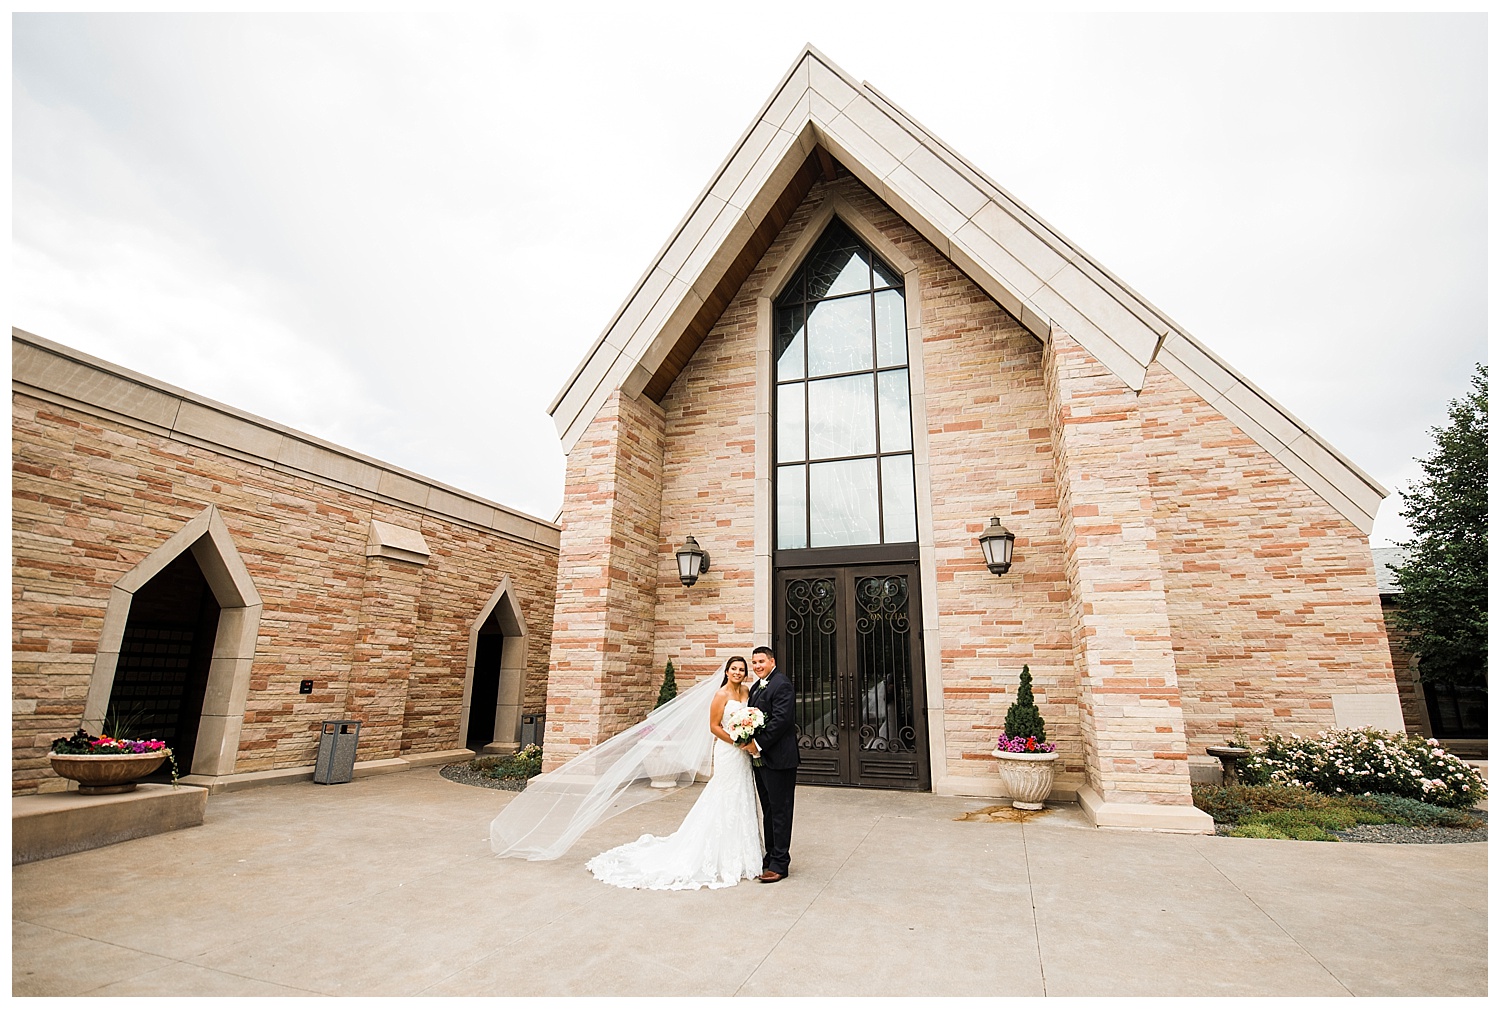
[812,654]
[882,624]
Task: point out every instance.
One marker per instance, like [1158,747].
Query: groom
[776,746]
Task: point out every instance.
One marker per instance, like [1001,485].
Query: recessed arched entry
[190,612]
[495,675]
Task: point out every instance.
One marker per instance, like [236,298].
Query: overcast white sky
[401,233]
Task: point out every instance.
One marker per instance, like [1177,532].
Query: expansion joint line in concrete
[190,962]
[1036,929]
[831,876]
[1310,954]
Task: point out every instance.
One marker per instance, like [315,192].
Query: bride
[718,843]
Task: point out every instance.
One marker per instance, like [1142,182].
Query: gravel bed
[1390,833]
[466,775]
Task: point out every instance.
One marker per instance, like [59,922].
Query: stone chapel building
[853,352]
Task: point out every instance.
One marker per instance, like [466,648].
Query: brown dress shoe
[770,877]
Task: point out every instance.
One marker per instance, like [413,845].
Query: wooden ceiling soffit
[734,276]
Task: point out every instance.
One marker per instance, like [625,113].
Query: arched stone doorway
[200,568]
[495,676]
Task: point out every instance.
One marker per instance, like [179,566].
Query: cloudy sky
[401,233]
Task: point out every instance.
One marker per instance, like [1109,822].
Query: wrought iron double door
[849,637]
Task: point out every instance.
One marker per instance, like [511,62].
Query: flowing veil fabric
[674,741]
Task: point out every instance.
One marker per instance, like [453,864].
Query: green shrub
[1411,813]
[1022,718]
[526,763]
[1260,830]
[668,686]
[1234,803]
[1278,811]
[1356,761]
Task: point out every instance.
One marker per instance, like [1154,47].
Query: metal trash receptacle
[533,729]
[336,746]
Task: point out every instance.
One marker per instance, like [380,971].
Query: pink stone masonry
[381,640]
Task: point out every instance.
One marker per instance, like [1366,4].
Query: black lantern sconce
[998,543]
[692,561]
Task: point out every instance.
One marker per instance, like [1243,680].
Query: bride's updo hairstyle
[732,660]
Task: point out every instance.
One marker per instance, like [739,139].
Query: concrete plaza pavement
[386,886]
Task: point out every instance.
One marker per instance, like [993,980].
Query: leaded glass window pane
[838,336]
[900,497]
[791,424]
[791,507]
[790,337]
[845,503]
[837,265]
[841,416]
[843,405]
[895,411]
[884,276]
[890,329]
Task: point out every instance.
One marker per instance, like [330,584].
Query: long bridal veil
[672,744]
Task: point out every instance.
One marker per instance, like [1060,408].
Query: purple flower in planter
[1026,744]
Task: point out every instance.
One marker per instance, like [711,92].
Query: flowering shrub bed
[1023,744]
[1365,760]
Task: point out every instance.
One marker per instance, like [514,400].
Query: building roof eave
[1020,260]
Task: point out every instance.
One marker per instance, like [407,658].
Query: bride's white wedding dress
[717,845]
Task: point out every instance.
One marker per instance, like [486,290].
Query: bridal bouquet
[742,726]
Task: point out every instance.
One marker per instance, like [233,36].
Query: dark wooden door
[849,638]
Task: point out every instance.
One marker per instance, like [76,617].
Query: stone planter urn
[106,773]
[1027,776]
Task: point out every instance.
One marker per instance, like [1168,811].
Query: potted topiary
[659,763]
[1027,760]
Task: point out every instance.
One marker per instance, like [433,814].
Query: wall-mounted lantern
[997,542]
[692,561]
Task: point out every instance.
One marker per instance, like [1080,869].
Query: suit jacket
[777,739]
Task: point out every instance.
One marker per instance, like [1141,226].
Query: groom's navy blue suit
[776,778]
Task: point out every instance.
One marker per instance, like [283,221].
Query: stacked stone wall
[708,492]
[380,639]
[602,674]
[1135,744]
[990,452]
[1271,592]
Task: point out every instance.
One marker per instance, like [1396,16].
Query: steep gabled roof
[1022,262]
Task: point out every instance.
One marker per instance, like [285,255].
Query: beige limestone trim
[216,785]
[1020,260]
[1143,815]
[223,713]
[508,699]
[834,205]
[70,378]
[1373,710]
[397,543]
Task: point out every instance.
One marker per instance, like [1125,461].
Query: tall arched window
[843,405]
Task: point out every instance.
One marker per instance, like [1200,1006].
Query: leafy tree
[1444,582]
[1023,718]
[668,686]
